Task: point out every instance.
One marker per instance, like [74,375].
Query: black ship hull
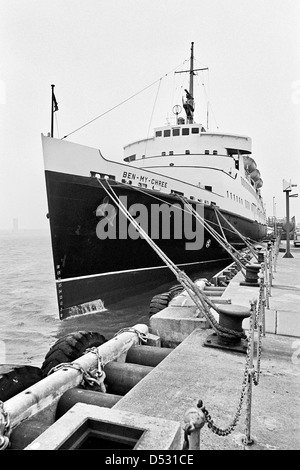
[90,266]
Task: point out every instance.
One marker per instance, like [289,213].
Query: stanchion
[194,421]
[248,440]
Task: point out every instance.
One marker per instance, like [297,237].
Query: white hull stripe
[132,271]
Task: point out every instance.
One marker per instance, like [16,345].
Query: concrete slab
[148,432]
[174,324]
[192,372]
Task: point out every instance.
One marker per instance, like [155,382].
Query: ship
[99,256]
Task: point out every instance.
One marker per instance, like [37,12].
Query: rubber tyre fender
[70,347]
[159,302]
[16,378]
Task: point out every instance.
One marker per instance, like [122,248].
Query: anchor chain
[4,427]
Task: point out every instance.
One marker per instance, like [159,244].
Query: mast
[192,70]
[189,103]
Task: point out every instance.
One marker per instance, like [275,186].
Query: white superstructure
[219,163]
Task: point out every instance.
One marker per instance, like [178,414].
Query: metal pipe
[48,391]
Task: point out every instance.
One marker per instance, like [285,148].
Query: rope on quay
[200,299]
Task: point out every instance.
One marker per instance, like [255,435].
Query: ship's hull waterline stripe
[133,270]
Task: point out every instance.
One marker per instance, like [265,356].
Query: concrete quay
[153,410]
[193,371]
[283,315]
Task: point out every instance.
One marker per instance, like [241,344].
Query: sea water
[29,321]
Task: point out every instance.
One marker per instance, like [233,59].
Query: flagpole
[52,109]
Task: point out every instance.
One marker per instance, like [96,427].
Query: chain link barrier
[250,374]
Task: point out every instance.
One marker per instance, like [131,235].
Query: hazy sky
[98,53]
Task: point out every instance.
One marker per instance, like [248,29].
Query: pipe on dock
[47,392]
[214,288]
[90,397]
[121,377]
[147,355]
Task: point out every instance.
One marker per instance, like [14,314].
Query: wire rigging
[119,104]
[152,114]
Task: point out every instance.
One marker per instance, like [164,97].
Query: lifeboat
[259,183]
[255,175]
[249,164]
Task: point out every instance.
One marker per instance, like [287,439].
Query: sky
[99,53]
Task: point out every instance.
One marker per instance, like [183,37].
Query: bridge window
[171,152]
[176,131]
[195,130]
[208,188]
[167,133]
[158,134]
[185,131]
[187,152]
[206,152]
[215,152]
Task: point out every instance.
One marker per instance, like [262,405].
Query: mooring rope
[199,298]
[253,251]
[214,233]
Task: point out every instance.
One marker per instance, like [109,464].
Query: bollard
[261,256]
[251,275]
[194,420]
[230,317]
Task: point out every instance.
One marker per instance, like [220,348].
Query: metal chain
[98,373]
[87,377]
[248,373]
[141,336]
[210,422]
[256,373]
[5,431]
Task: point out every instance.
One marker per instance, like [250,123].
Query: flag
[54,103]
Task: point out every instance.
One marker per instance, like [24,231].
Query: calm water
[28,307]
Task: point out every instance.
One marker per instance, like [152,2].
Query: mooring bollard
[251,275]
[261,255]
